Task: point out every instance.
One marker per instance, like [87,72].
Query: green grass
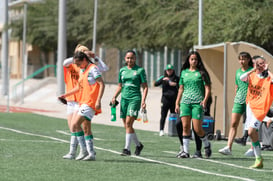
[37,156]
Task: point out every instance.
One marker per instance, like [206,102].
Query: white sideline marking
[171,152]
[32,134]
[63,132]
[66,133]
[137,157]
[224,163]
[32,141]
[180,166]
[267,154]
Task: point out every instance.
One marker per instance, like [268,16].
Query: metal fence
[154,62]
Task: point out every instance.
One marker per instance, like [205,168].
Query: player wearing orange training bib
[90,87]
[71,77]
[259,99]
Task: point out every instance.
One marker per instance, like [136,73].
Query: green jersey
[131,80]
[240,97]
[194,87]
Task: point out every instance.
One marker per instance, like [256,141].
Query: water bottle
[113,113]
[144,116]
[113,110]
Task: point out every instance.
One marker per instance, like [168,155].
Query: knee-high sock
[89,143]
[179,129]
[257,149]
[128,139]
[81,140]
[186,143]
[73,144]
[205,140]
[134,138]
[198,141]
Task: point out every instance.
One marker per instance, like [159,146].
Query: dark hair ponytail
[80,56]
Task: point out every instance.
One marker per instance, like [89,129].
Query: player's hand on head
[266,66]
[90,54]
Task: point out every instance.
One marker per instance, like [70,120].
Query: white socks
[128,139]
[205,141]
[186,143]
[134,137]
[89,146]
[73,145]
[81,141]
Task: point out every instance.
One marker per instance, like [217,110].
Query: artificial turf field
[32,146]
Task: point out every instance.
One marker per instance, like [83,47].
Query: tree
[151,24]
[231,20]
[41,25]
[144,24]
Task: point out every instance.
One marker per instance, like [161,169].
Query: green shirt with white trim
[240,97]
[131,80]
[194,87]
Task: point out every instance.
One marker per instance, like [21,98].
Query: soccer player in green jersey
[131,78]
[194,89]
[239,106]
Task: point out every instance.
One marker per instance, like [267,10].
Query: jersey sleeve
[119,76]
[143,76]
[93,74]
[101,65]
[181,82]
[159,81]
[207,78]
[95,71]
[68,62]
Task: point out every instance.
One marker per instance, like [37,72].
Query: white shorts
[72,107]
[86,112]
[251,120]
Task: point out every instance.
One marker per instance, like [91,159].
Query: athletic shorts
[129,108]
[72,107]
[251,120]
[239,108]
[193,110]
[86,111]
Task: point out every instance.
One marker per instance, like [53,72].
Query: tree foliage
[144,24]
[151,24]
[231,20]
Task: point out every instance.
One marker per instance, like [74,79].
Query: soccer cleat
[184,155]
[266,148]
[258,163]
[90,157]
[125,152]
[179,153]
[69,156]
[208,151]
[197,154]
[82,155]
[161,133]
[225,151]
[241,141]
[250,153]
[138,149]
